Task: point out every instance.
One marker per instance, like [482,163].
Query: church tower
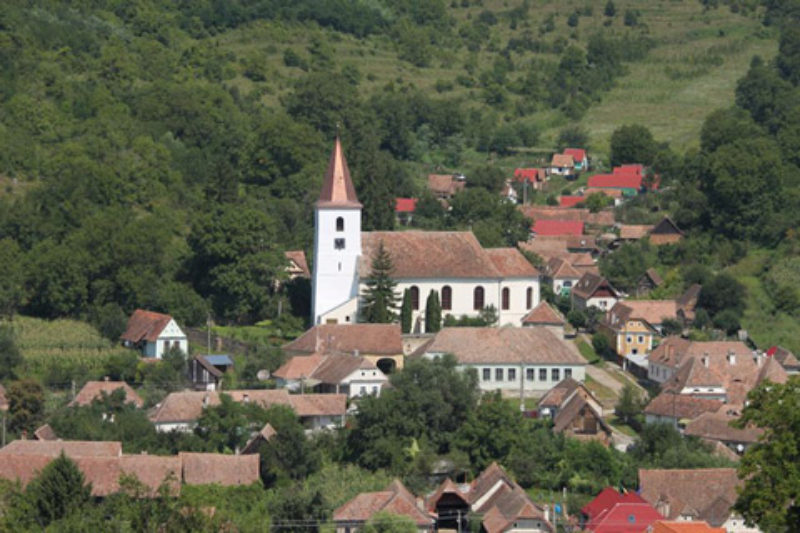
[337,243]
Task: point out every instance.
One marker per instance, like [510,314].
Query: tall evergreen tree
[58,490]
[433,313]
[405,312]
[379,299]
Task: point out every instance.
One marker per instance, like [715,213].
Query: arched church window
[447,298]
[339,224]
[414,293]
[477,298]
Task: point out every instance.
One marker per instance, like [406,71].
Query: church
[466,276]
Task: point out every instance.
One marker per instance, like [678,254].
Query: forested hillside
[164,154]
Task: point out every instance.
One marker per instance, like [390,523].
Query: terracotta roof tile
[607,498]
[665,526]
[530,174]
[337,186]
[428,254]
[634,232]
[318,404]
[377,339]
[445,184]
[510,263]
[544,314]
[567,413]
[681,406]
[589,284]
[395,499]
[298,258]
[557,227]
[335,368]
[560,268]
[504,345]
[561,391]
[226,470]
[299,367]
[562,160]
[651,311]
[145,326]
[617,181]
[577,154]
[538,212]
[72,448]
[95,389]
[716,426]
[45,432]
[702,487]
[624,518]
[405,205]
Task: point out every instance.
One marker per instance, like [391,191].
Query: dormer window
[338,244]
[339,224]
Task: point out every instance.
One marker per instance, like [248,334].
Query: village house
[443,186]
[703,494]
[264,436]
[568,202]
[602,219]
[530,177]
[95,390]
[526,361]
[623,517]
[631,327]
[716,427]
[593,290]
[718,370]
[609,503]
[665,232]
[45,432]
[647,282]
[467,277]
[298,266]
[579,158]
[179,411]
[575,412]
[501,505]
[103,463]
[562,165]
[545,228]
[560,275]
[380,344]
[154,334]
[404,209]
[394,499]
[348,374]
[206,371]
[687,303]
[546,317]
[678,410]
[786,358]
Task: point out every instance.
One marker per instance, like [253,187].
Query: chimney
[705,359]
[757,357]
[246,398]
[24,435]
[547,513]
[731,357]
[105,378]
[205,400]
[356,353]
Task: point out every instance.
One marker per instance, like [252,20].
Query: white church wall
[518,300]
[335,259]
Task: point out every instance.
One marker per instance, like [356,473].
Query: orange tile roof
[680,406]
[544,314]
[651,311]
[562,160]
[299,367]
[395,499]
[226,470]
[510,263]
[72,448]
[538,212]
[688,491]
[633,232]
[666,526]
[377,339]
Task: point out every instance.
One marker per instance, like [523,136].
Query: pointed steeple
[337,188]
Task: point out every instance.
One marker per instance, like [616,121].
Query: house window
[567,373]
[487,374]
[498,374]
[375,390]
[603,304]
[629,339]
[414,294]
[362,391]
[477,298]
[338,244]
[447,298]
[641,339]
[506,298]
[339,224]
[555,374]
[529,298]
[567,284]
[529,375]
[512,374]
[542,374]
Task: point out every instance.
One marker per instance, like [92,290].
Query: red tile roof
[337,187]
[680,406]
[394,499]
[549,212]
[72,448]
[689,491]
[298,257]
[95,389]
[631,169]
[616,181]
[225,470]
[145,326]
[405,205]
[578,154]
[607,498]
[368,339]
[562,160]
[530,174]
[557,227]
[665,526]
[624,518]
[570,201]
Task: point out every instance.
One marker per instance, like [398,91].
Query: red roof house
[405,205]
[607,498]
[624,518]
[616,181]
[570,201]
[535,176]
[578,154]
[557,227]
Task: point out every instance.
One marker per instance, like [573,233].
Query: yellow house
[631,326]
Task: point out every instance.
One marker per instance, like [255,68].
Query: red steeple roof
[337,188]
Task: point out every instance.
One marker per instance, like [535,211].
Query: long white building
[466,276]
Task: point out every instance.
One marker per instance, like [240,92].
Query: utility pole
[208,334]
[521,388]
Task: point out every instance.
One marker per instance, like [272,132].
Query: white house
[153,334]
[352,375]
[594,291]
[515,360]
[561,275]
[466,276]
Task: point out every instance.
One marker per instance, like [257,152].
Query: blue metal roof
[219,360]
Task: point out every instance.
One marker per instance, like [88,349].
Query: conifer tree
[379,299]
[58,490]
[433,313]
[405,312]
